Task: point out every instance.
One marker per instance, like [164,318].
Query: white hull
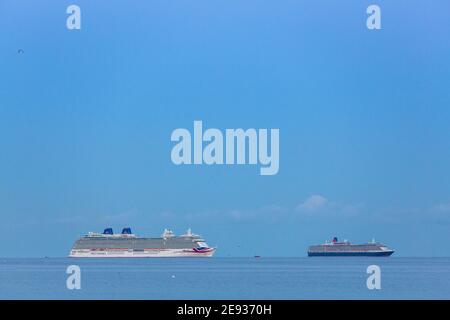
[154,253]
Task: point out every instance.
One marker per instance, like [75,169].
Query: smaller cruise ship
[345,248]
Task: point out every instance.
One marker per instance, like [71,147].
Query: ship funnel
[126,231]
[335,240]
[108,231]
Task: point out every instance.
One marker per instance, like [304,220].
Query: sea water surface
[226,278]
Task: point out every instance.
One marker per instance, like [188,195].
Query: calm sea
[226,278]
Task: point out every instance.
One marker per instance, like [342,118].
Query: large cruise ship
[127,244]
[336,248]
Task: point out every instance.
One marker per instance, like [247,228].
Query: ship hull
[153,253]
[351,254]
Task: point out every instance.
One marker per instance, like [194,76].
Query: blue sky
[86,118]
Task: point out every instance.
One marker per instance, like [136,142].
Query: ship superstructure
[127,244]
